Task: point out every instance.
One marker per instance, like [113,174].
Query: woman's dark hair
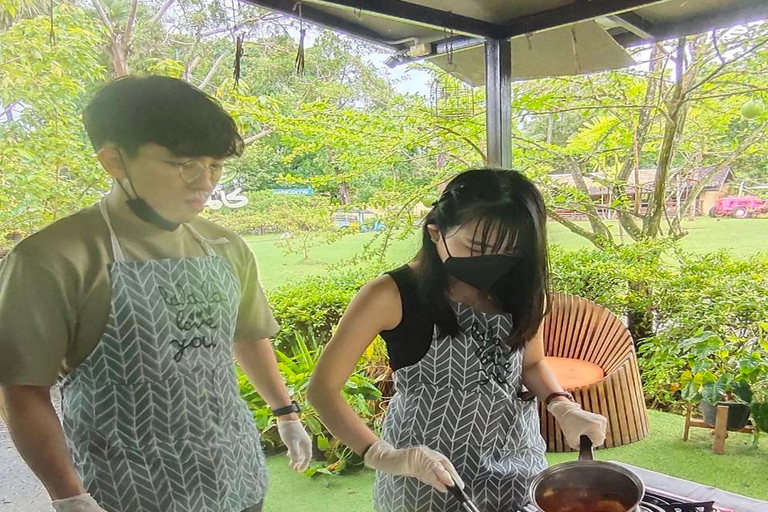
[133,111]
[511,208]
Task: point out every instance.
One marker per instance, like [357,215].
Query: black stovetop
[657,501]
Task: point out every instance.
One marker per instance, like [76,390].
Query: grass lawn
[746,236]
[740,470]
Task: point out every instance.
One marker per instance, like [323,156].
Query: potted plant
[720,372]
[760,404]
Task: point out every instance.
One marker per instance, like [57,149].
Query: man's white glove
[80,503]
[575,422]
[427,465]
[298,443]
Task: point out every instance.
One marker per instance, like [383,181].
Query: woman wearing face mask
[461,324]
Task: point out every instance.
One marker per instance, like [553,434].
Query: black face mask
[148,214]
[482,272]
[142,209]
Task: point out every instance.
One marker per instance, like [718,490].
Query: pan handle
[585,451]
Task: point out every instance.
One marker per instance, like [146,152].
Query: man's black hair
[132,111]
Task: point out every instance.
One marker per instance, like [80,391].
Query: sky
[406,80]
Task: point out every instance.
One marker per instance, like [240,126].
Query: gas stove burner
[655,501]
[658,502]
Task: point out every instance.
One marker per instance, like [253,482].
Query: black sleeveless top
[409,342]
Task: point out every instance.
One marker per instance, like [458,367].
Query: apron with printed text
[461,399]
[153,417]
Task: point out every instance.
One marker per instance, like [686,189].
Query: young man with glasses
[137,307]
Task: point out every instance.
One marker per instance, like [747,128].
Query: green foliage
[759,405]
[315,305]
[612,277]
[602,126]
[360,392]
[13,11]
[719,369]
[716,293]
[267,212]
[46,164]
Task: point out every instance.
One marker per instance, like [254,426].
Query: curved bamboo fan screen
[580,330]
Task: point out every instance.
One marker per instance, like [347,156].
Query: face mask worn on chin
[481,272]
[148,214]
[143,210]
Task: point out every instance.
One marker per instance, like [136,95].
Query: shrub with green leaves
[360,392]
[721,369]
[313,307]
[759,406]
[619,278]
[718,293]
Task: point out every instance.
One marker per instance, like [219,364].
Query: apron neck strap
[201,240]
[117,251]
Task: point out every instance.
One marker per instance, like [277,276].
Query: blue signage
[307,191]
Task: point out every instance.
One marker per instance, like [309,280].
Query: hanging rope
[449,49]
[577,60]
[302,34]
[238,57]
[238,40]
[52,33]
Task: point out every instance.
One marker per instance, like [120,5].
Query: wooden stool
[720,428]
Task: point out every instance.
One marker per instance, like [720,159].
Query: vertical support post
[498,101]
[687,427]
[721,430]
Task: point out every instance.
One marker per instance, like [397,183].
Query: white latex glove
[298,443]
[427,465]
[80,503]
[576,422]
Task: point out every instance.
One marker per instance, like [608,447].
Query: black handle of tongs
[460,495]
[586,452]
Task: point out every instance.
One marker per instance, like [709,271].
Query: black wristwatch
[288,409]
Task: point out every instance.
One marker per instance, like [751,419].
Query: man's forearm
[36,431]
[257,359]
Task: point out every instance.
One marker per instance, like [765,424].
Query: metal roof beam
[751,10]
[441,47]
[633,23]
[570,14]
[428,16]
[323,19]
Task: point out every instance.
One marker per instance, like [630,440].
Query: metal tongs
[463,497]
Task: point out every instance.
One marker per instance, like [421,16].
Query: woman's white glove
[575,422]
[298,443]
[421,462]
[80,503]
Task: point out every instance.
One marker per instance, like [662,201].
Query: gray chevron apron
[461,400]
[153,416]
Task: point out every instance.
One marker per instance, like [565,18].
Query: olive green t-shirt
[55,289]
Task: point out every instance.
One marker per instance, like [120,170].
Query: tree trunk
[344,196]
[640,318]
[672,129]
[597,225]
[632,162]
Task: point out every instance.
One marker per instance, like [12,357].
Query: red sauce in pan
[582,500]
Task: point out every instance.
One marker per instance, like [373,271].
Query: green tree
[677,112]
[46,164]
